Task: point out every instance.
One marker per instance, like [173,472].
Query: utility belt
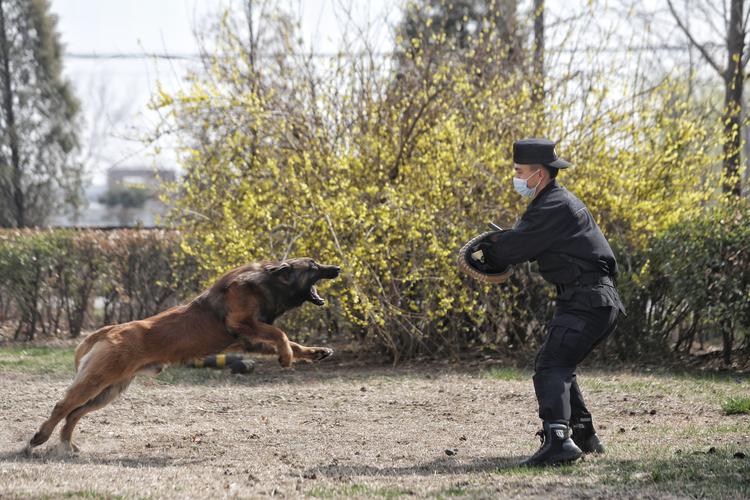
[585,280]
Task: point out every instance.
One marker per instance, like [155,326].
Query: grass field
[338,431]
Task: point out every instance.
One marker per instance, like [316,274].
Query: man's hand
[472,259]
[482,247]
[482,250]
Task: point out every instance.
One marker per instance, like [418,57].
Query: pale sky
[114,92]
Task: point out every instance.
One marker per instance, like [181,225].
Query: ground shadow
[443,465]
[49,455]
[719,474]
[714,475]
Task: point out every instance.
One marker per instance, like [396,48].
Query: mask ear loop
[537,184]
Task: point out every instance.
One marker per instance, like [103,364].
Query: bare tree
[733,74]
[38,117]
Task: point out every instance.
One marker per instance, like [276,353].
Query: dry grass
[335,431]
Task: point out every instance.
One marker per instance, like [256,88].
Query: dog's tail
[89,342]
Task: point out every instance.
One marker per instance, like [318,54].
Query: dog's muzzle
[330,272]
[325,272]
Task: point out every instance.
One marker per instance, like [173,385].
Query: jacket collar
[543,193]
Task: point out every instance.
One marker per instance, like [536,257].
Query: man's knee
[552,388]
[552,381]
[545,373]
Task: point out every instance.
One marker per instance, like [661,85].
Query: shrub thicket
[50,280]
[695,283]
[387,171]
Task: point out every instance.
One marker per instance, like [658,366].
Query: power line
[130,55]
[362,54]
[197,57]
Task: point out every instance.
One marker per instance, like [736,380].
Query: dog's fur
[239,308]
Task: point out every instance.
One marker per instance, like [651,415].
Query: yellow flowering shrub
[388,174]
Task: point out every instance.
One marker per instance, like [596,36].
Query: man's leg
[552,387]
[577,405]
[581,423]
[553,376]
[572,335]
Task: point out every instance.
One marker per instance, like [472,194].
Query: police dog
[239,308]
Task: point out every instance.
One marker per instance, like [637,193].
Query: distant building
[129,198]
[133,176]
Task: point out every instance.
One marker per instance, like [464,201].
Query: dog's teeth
[315,297]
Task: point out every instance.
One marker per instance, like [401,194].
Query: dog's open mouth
[315,298]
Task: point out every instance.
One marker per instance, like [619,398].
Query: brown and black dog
[239,308]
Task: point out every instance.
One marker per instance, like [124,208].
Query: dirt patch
[334,431]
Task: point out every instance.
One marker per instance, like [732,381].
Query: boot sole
[587,447]
[599,451]
[564,460]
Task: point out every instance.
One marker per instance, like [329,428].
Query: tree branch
[700,47]
[745,55]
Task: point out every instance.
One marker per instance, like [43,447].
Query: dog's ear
[280,269]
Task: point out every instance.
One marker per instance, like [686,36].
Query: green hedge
[57,282]
[692,285]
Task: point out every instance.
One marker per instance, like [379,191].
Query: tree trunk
[733,76]
[15,159]
[728,340]
[733,81]
[538,91]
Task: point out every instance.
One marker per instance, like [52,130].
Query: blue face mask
[522,188]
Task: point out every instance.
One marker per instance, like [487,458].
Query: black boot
[557,447]
[585,436]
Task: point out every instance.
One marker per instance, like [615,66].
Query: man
[558,232]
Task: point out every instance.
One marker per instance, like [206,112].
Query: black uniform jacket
[558,231]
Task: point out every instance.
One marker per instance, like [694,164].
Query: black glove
[485,246]
[479,265]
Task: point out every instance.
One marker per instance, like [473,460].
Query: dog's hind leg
[96,372]
[77,395]
[109,394]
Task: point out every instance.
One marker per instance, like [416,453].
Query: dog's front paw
[320,353]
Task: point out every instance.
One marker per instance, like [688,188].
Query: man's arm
[538,229]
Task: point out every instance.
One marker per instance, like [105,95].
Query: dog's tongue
[315,298]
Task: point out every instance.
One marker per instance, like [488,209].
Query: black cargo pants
[572,334]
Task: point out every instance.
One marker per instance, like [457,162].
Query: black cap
[532,151]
